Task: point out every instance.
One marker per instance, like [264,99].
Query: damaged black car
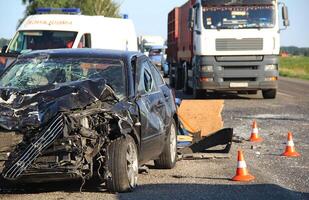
[84,114]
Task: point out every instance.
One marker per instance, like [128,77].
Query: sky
[150,18]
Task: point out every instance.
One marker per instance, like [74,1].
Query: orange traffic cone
[242,173]
[290,149]
[255,133]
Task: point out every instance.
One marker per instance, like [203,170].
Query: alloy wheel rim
[132,165]
[173,144]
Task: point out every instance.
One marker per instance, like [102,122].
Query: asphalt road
[277,177]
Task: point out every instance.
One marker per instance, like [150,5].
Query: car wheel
[269,94]
[167,159]
[122,165]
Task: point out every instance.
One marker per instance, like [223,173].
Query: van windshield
[39,40]
[155,52]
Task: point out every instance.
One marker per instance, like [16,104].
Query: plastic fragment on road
[201,115]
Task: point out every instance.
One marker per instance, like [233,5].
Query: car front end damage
[60,133]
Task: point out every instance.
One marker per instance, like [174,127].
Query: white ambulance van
[54,31]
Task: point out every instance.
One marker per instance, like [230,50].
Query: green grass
[295,67]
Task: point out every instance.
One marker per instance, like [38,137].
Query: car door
[168,110]
[150,104]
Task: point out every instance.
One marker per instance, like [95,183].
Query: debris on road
[221,137]
[201,127]
[203,115]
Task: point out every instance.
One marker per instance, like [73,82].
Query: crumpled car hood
[31,109]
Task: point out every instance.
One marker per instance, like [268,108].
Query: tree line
[107,8]
[295,51]
[3,42]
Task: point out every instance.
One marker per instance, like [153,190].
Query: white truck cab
[236,45]
[54,31]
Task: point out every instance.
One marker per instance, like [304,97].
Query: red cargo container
[179,40]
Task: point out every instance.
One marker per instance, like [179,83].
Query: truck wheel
[122,165]
[269,94]
[172,76]
[167,159]
[178,78]
[198,94]
[186,88]
[252,92]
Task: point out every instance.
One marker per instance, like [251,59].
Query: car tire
[122,165]
[269,94]
[168,157]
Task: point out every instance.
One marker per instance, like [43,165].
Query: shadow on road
[204,191]
[222,95]
[174,191]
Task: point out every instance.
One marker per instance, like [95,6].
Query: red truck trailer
[179,42]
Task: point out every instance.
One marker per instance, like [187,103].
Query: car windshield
[30,73]
[39,40]
[238,17]
[155,52]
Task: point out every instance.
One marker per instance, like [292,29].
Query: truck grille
[248,79]
[245,44]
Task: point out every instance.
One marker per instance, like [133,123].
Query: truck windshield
[239,17]
[30,73]
[39,40]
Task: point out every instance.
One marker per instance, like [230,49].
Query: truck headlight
[208,68]
[271,67]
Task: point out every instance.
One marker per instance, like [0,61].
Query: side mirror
[4,48]
[191,19]
[285,16]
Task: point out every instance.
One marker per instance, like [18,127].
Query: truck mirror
[191,19]
[285,16]
[4,48]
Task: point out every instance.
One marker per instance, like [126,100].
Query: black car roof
[82,53]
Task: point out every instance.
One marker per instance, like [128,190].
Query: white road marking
[284,94]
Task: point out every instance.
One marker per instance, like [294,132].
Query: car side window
[157,76]
[146,82]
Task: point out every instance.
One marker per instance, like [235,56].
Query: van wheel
[269,94]
[122,165]
[167,159]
